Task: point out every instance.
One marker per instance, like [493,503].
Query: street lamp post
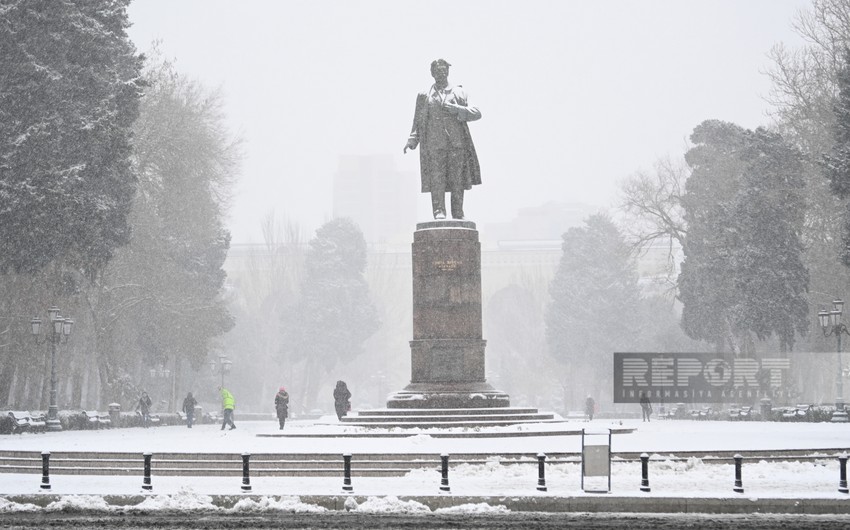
[61,328]
[222,367]
[830,323]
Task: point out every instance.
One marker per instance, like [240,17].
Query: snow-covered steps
[449,418]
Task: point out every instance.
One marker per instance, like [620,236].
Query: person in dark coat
[281,406]
[189,404]
[589,407]
[645,406]
[144,408]
[341,399]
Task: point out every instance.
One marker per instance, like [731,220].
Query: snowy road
[432,521]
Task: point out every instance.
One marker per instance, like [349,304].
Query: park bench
[800,412]
[787,413]
[804,411]
[95,420]
[701,414]
[24,421]
[90,419]
[154,418]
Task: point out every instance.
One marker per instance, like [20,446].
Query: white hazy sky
[575,94]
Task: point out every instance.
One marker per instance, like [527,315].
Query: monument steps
[449,412]
[449,418]
[428,418]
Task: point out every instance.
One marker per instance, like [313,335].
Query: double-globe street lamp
[61,328]
[222,366]
[830,323]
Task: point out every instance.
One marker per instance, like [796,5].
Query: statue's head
[436,63]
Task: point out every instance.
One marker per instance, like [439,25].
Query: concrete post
[115,414]
[766,409]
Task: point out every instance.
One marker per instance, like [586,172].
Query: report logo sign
[697,377]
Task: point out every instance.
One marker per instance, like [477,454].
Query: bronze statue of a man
[447,160]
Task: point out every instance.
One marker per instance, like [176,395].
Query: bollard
[739,486]
[246,479]
[444,481]
[146,482]
[644,472]
[346,481]
[45,470]
[842,473]
[541,472]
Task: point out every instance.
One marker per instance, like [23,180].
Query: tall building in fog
[379,197]
[536,226]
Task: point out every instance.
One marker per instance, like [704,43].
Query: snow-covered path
[656,436]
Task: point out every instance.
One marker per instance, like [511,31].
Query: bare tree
[652,203]
[804,79]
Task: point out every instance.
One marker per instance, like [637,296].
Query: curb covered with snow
[189,501]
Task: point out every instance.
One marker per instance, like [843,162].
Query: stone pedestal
[447,350]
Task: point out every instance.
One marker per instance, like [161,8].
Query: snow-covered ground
[656,436]
[694,478]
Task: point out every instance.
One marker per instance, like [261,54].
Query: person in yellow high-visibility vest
[228,404]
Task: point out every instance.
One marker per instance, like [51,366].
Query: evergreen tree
[743,271]
[334,314]
[70,93]
[771,277]
[706,286]
[594,297]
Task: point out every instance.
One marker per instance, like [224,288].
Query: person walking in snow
[144,408]
[281,406]
[589,407]
[189,404]
[341,399]
[228,403]
[645,406]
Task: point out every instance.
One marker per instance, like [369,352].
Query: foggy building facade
[380,198]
